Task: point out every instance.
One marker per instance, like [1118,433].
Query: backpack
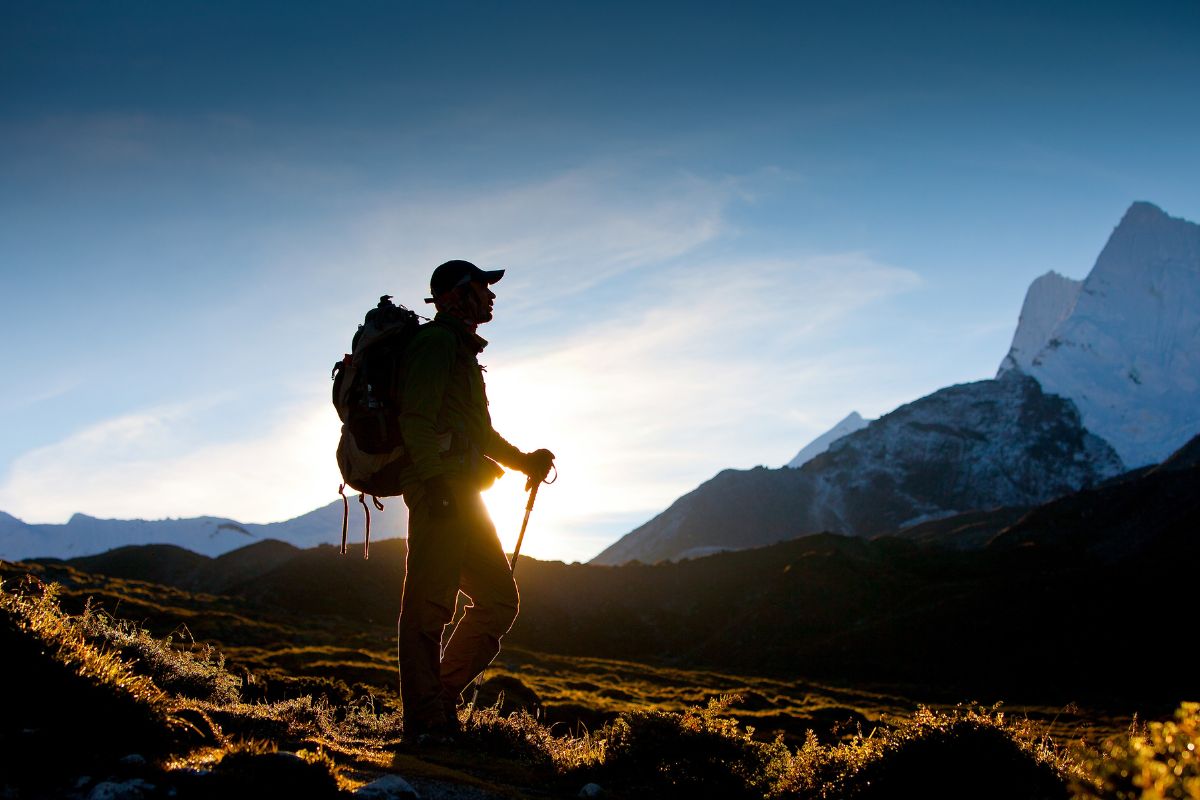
[367,386]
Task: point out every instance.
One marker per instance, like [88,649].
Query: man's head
[461,288]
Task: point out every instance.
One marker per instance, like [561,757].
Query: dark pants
[444,556]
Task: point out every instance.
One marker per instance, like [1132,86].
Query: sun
[505,503]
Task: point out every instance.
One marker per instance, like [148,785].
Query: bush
[966,752]
[1159,760]
[697,751]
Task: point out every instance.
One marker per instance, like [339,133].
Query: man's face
[478,300]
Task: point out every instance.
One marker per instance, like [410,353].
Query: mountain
[853,422]
[1118,353]
[1123,344]
[176,566]
[210,536]
[991,443]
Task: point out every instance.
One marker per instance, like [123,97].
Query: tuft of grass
[198,672]
[522,737]
[1149,762]
[700,750]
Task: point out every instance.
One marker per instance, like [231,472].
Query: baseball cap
[457,273]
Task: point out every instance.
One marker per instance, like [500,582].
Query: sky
[725,226]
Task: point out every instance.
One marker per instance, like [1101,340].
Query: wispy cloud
[155,463]
[566,233]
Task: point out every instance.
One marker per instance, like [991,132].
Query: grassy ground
[105,668]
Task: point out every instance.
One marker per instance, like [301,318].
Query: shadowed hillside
[1017,620]
[164,719]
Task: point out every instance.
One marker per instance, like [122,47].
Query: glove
[440,498]
[537,466]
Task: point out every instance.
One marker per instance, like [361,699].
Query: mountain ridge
[84,535]
[1010,444]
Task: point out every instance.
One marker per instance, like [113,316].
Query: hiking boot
[440,734]
[439,730]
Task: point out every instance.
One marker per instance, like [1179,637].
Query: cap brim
[492,275]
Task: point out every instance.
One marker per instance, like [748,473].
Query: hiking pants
[444,556]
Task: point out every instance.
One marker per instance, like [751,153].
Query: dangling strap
[362,499]
[345,514]
[367,538]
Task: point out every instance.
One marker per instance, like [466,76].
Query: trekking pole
[512,567]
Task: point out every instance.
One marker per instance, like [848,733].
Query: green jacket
[444,416]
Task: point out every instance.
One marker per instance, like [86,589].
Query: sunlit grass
[1153,760]
[316,709]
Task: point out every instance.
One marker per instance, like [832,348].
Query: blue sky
[725,225]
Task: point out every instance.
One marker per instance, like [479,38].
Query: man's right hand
[440,498]
[537,466]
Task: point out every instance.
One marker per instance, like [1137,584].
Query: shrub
[1158,760]
[699,750]
[966,752]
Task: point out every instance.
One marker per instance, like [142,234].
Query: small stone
[133,760]
[135,789]
[591,790]
[388,787]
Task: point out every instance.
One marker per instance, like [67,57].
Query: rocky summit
[1001,442]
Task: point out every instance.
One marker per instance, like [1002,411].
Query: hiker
[452,543]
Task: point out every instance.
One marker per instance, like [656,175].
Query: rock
[133,760]
[591,790]
[388,787]
[135,789]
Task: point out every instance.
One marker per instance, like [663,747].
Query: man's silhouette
[452,543]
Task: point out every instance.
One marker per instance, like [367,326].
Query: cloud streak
[155,463]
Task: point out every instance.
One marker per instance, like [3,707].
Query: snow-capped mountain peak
[1125,344]
[851,423]
[1049,300]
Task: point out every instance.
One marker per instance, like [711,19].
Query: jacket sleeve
[428,360]
[501,450]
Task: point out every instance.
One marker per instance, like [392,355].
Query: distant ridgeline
[210,536]
[1103,376]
